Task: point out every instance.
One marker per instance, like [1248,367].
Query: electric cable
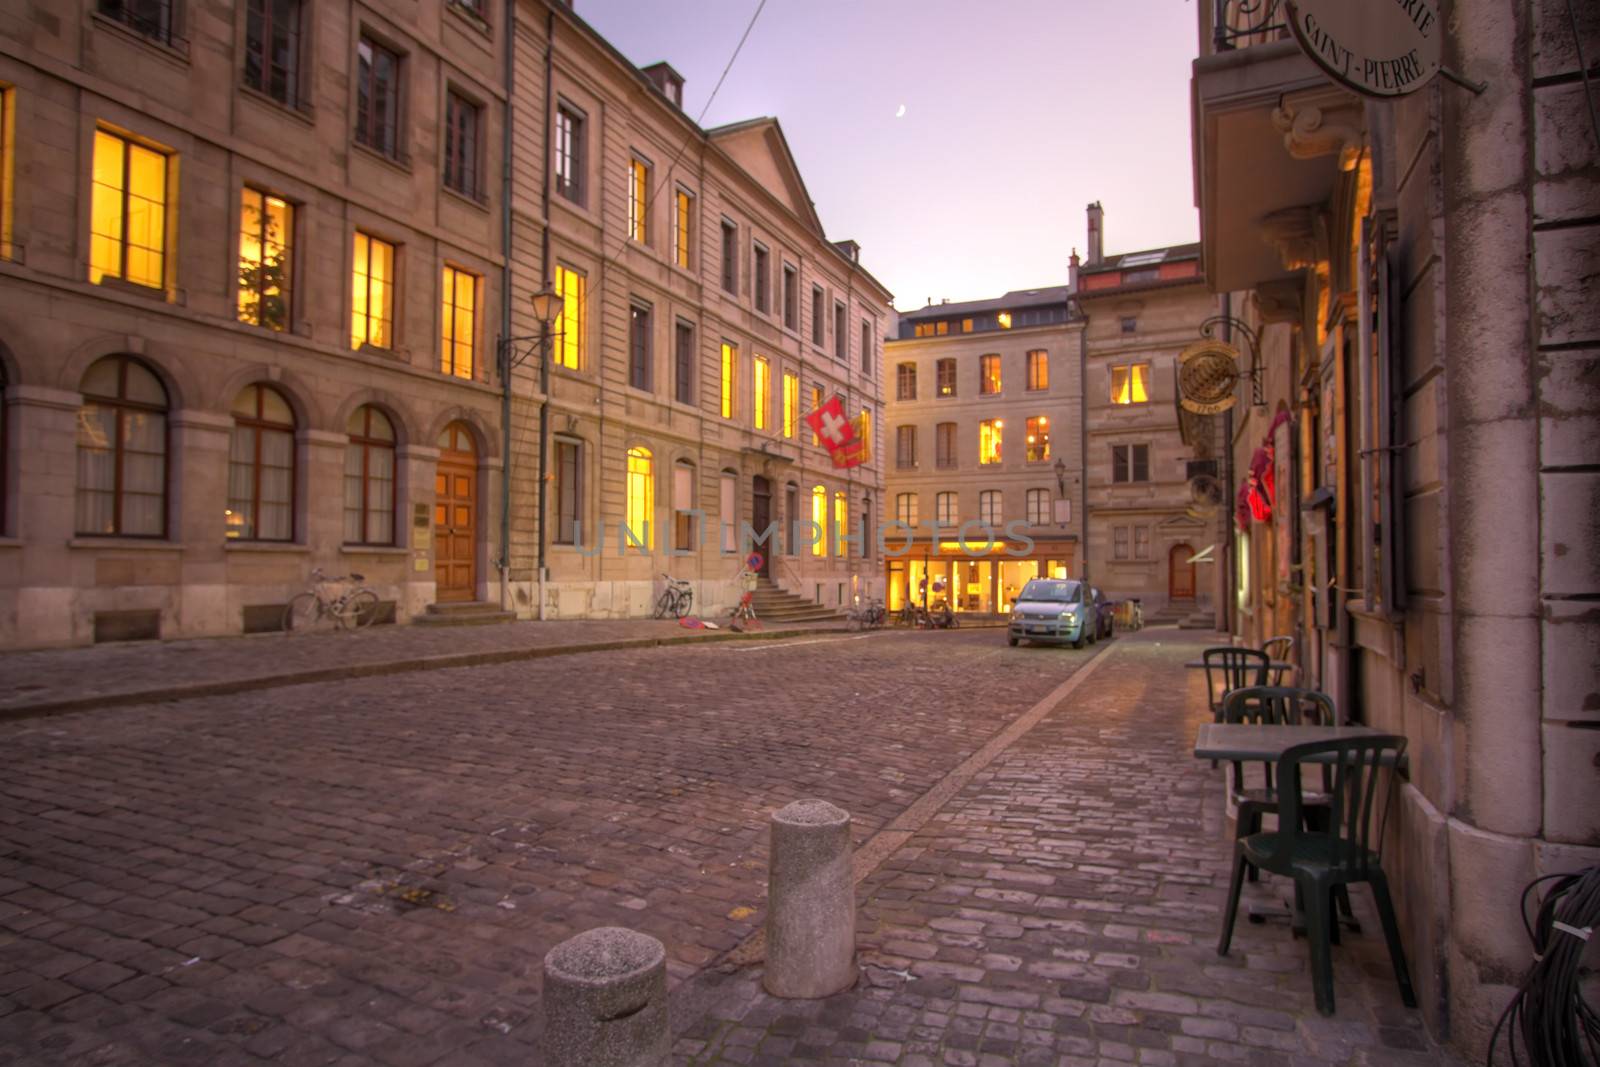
[1557,1027]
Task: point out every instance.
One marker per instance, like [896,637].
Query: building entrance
[1180,573]
[455,515]
[760,519]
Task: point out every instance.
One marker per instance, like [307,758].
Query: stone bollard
[811,902]
[605,1001]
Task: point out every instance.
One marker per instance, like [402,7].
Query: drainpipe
[544,328]
[1226,570]
[504,363]
[1083,441]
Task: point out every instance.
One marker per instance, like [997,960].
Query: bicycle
[676,599]
[353,608]
[868,615]
[909,615]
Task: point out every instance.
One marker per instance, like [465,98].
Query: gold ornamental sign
[1208,373]
[1382,48]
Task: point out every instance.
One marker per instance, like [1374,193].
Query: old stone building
[243,293]
[984,429]
[1153,507]
[1412,277]
[251,275]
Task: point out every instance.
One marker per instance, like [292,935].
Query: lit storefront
[975,578]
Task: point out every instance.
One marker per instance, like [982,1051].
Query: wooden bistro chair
[1321,861]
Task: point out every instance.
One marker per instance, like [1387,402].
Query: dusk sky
[1017,114]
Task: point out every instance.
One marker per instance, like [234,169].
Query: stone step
[464,613]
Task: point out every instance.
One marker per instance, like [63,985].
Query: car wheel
[1012,641]
[1078,643]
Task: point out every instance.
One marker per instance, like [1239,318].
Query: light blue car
[1054,611]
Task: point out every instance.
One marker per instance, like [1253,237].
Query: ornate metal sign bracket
[1249,334]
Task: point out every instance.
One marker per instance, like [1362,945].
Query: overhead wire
[1556,1025]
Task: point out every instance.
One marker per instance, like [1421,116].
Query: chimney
[667,80]
[1097,225]
[1072,272]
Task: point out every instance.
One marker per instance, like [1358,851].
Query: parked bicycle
[676,599]
[910,615]
[868,615]
[343,601]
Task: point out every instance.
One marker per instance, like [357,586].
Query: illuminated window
[966,325]
[638,200]
[989,439]
[378,98]
[639,347]
[760,267]
[1038,507]
[1038,370]
[905,447]
[762,385]
[266,230]
[816,402]
[1038,439]
[819,515]
[683,203]
[369,478]
[8,103]
[730,377]
[128,217]
[122,450]
[460,293]
[941,328]
[905,377]
[1004,319]
[946,371]
[791,404]
[261,467]
[641,497]
[841,524]
[990,507]
[1130,383]
[905,508]
[1130,463]
[463,121]
[944,509]
[683,362]
[944,445]
[864,430]
[272,49]
[569,345]
[570,149]
[989,375]
[372,293]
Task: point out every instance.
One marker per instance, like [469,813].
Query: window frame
[262,51]
[1037,516]
[819,322]
[1036,426]
[761,391]
[730,256]
[905,446]
[639,175]
[640,347]
[367,443]
[390,287]
[363,109]
[646,532]
[905,380]
[905,509]
[1038,370]
[947,508]
[1128,457]
[991,432]
[947,446]
[1121,543]
[987,363]
[575,445]
[469,184]
[841,332]
[167,33]
[128,144]
[682,227]
[120,405]
[791,404]
[728,379]
[683,361]
[791,297]
[945,384]
[1130,377]
[570,180]
[449,313]
[761,277]
[259,425]
[867,347]
[991,507]
[286,287]
[570,336]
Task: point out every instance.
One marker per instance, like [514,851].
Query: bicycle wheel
[302,613]
[360,611]
[682,603]
[664,603]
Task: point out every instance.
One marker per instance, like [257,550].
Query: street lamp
[512,353]
[1061,476]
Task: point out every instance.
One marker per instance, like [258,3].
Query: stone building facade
[1152,495]
[1416,277]
[705,313]
[252,260]
[984,428]
[243,328]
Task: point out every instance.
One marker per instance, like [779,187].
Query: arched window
[369,478]
[261,467]
[122,450]
[641,496]
[819,515]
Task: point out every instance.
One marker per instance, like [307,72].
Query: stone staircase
[775,606]
[464,613]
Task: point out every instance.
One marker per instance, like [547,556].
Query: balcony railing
[1242,23]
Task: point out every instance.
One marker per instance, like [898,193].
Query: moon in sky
[900,113]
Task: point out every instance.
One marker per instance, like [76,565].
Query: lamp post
[512,353]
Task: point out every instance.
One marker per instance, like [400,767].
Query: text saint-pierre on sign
[1376,47]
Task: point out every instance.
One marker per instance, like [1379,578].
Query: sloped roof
[759,146]
[1017,298]
[1149,257]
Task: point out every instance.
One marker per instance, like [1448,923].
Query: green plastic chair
[1321,861]
[1265,705]
[1235,668]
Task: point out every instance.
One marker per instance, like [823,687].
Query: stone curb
[377,669]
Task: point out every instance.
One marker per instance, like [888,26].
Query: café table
[1276,669]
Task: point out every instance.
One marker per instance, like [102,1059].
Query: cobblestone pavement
[51,676]
[1063,909]
[370,871]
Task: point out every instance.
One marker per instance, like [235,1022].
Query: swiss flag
[830,425]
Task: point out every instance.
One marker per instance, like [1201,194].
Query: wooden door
[455,516]
[761,518]
[1180,573]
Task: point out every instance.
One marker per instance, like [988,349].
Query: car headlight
[1070,613]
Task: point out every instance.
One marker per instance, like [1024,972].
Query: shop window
[261,483]
[369,468]
[122,451]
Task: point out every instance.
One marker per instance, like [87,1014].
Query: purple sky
[1018,113]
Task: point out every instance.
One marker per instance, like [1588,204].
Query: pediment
[759,147]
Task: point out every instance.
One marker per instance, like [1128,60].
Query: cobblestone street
[370,871]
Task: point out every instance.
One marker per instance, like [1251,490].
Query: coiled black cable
[1557,1027]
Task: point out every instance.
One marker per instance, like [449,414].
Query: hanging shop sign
[1208,372]
[1376,47]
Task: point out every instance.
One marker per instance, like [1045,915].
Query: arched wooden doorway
[1180,573]
[455,515]
[761,518]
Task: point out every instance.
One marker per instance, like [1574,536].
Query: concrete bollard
[605,1001]
[811,902]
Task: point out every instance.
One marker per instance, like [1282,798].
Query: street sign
[1380,48]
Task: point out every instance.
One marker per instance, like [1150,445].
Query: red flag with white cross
[831,425]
